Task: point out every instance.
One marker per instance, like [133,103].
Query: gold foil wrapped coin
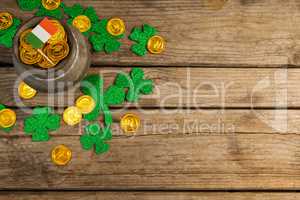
[44,63]
[115,26]
[8,118]
[57,51]
[156,44]
[60,35]
[23,42]
[86,104]
[61,155]
[72,116]
[51,4]
[130,123]
[25,91]
[6,20]
[30,56]
[82,23]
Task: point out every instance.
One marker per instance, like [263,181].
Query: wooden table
[223,122]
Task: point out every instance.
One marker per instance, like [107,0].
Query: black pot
[66,74]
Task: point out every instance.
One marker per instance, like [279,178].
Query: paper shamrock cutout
[95,137]
[114,95]
[7,35]
[92,85]
[29,5]
[141,36]
[7,130]
[57,13]
[108,120]
[135,83]
[77,10]
[40,123]
[102,40]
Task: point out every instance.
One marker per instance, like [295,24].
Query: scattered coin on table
[130,123]
[61,155]
[7,118]
[156,44]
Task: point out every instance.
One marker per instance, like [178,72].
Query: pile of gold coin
[54,51]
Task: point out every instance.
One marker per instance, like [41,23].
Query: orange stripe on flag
[48,26]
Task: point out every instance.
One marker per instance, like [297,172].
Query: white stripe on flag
[41,33]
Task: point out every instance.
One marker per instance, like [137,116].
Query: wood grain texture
[185,122]
[158,162]
[207,32]
[224,115]
[188,87]
[147,196]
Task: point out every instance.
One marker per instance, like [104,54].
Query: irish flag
[41,33]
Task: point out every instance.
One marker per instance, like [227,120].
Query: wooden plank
[158,162]
[148,195]
[184,122]
[189,87]
[209,32]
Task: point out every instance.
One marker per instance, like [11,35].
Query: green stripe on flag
[34,41]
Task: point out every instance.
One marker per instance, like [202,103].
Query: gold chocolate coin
[72,116]
[61,155]
[6,20]
[156,44]
[44,63]
[23,42]
[25,91]
[57,51]
[60,35]
[51,4]
[115,26]
[86,104]
[130,123]
[30,56]
[82,23]
[7,118]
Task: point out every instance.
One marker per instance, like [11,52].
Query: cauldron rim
[66,71]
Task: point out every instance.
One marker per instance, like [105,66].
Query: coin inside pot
[66,74]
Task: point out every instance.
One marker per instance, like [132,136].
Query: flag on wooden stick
[41,33]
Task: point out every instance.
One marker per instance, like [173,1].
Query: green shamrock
[92,85]
[108,120]
[135,83]
[57,13]
[141,36]
[95,137]
[40,123]
[7,35]
[29,5]
[102,40]
[114,95]
[7,130]
[77,10]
